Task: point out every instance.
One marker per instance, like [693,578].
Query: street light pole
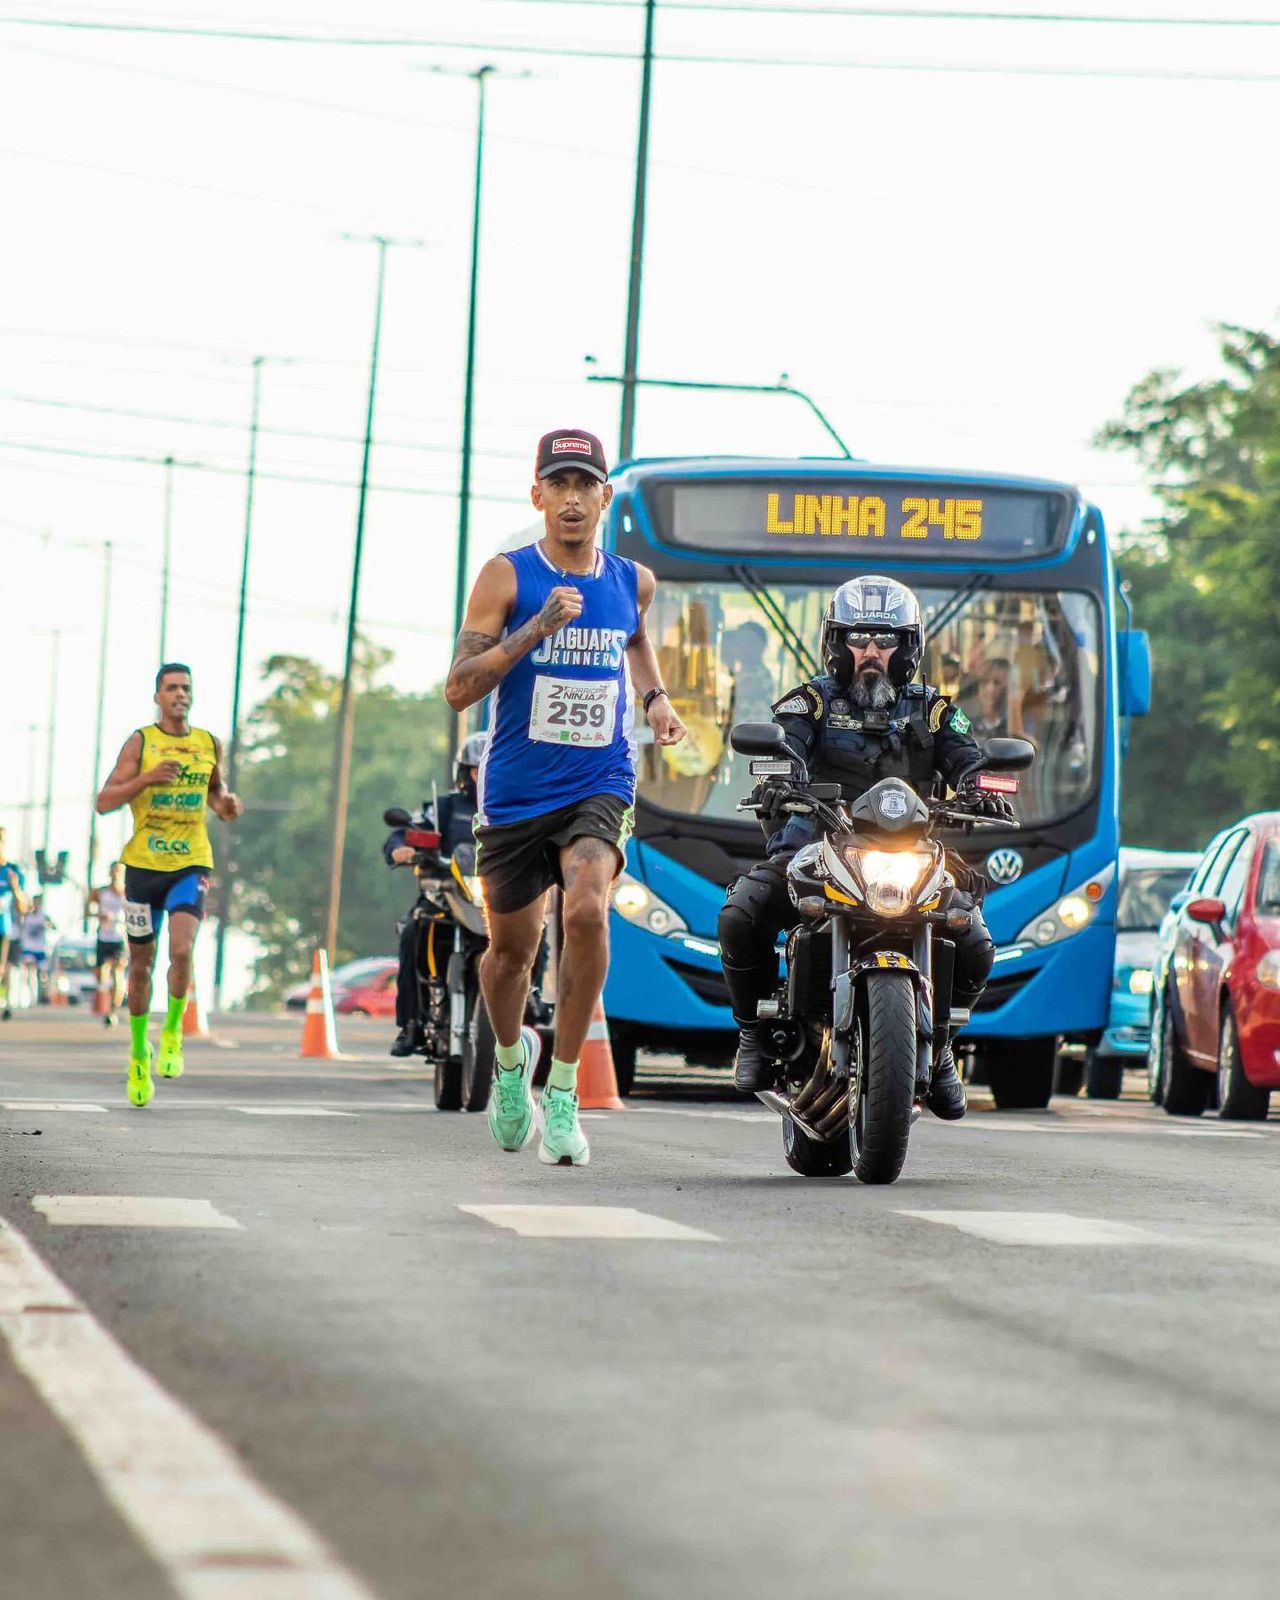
[53,740]
[97,740]
[481,75]
[631,355]
[347,709]
[233,744]
[165,556]
[783,386]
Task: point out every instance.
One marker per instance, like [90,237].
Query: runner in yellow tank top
[170,776]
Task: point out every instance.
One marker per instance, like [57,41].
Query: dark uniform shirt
[920,738]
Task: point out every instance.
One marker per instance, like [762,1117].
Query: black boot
[753,1069]
[407,1041]
[946,1096]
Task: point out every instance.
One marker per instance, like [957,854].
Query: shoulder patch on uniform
[959,722]
[802,702]
[937,711]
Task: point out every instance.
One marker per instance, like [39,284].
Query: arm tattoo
[480,662]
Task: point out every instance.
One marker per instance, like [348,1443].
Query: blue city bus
[1020,598]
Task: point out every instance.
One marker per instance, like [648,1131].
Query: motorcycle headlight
[1269,970]
[891,878]
[638,904]
[474,891]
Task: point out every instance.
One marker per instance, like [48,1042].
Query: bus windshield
[1020,662]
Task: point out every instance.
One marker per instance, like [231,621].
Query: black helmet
[470,755]
[874,605]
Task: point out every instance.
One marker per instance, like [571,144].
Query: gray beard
[872,691]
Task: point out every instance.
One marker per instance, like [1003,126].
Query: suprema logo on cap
[576,446]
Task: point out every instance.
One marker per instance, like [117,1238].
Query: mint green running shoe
[513,1117]
[563,1142]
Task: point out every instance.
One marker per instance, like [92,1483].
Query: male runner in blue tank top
[556,631]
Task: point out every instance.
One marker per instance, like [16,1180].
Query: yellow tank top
[169,831]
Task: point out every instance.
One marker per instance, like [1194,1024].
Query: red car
[1216,1026]
[363,988]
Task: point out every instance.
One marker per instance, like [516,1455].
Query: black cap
[570,447]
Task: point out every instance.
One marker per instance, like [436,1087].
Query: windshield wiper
[777,619]
[957,604]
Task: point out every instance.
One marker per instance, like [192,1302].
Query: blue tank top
[561,719]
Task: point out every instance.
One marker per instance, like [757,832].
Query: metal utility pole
[783,386]
[97,740]
[233,744]
[165,557]
[28,810]
[631,356]
[52,725]
[481,75]
[347,708]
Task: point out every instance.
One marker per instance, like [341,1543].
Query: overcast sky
[964,267]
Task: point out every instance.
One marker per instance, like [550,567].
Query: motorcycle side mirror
[396,817]
[1009,755]
[758,739]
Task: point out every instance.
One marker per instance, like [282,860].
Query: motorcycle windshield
[1021,662]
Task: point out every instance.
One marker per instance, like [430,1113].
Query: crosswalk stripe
[289,1111]
[584,1222]
[129,1211]
[1038,1227]
[49,1105]
[214,1530]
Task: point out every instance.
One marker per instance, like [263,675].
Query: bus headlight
[639,905]
[1269,970]
[891,878]
[1072,914]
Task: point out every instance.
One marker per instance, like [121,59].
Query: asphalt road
[340,1383]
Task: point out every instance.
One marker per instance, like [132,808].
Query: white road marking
[584,1222]
[50,1105]
[129,1211]
[1213,1133]
[190,1502]
[289,1111]
[761,1116]
[1038,1227]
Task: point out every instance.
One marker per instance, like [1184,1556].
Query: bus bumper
[661,987]
[1034,991]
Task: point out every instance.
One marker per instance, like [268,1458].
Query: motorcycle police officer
[453,824]
[859,721]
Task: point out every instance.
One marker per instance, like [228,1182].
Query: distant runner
[107,904]
[170,775]
[13,907]
[557,629]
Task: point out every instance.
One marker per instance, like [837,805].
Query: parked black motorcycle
[869,969]
[456,1034]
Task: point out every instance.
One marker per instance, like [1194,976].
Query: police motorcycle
[869,968]
[457,1038]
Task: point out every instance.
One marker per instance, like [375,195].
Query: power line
[142,415]
[903,14]
[673,58]
[239,472]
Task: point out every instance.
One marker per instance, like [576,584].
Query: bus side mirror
[1009,755]
[759,739]
[1133,656]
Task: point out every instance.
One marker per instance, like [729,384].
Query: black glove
[769,797]
[984,802]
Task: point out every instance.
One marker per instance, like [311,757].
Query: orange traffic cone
[195,1020]
[597,1082]
[319,1033]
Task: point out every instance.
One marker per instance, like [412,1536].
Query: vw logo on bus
[1004,866]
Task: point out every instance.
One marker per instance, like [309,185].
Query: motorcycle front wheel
[477,1047]
[881,1120]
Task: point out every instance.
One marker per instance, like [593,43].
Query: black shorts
[149,894]
[519,861]
[108,950]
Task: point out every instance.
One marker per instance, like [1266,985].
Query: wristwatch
[652,696]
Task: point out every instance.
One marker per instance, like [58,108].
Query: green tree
[1207,585]
[281,846]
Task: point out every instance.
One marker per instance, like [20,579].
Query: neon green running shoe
[563,1142]
[138,1084]
[513,1117]
[170,1063]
